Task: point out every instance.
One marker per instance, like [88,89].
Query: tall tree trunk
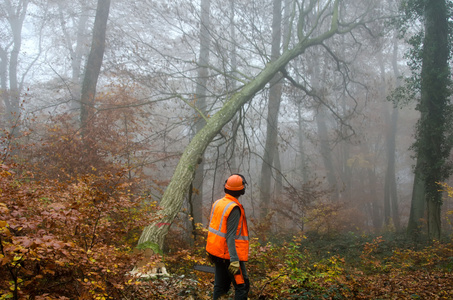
[390,187]
[326,153]
[231,159]
[374,202]
[275,95]
[417,211]
[4,78]
[435,95]
[432,145]
[390,146]
[346,171]
[16,16]
[303,166]
[200,102]
[278,175]
[321,119]
[94,63]
[392,172]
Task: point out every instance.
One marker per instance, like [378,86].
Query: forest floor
[70,240]
[342,267]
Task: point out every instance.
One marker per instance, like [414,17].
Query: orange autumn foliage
[66,239]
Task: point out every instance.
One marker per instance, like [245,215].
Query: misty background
[323,146]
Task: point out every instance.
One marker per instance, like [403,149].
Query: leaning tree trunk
[184,173]
[174,194]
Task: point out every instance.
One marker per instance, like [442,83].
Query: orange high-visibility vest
[216,243]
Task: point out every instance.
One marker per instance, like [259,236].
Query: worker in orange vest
[228,240]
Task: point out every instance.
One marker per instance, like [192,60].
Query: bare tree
[183,175]
[15,14]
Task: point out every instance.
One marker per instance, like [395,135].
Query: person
[228,240]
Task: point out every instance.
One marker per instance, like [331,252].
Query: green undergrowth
[346,266]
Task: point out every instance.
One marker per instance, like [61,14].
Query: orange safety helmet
[235,182]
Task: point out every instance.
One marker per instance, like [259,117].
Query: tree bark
[16,17]
[231,159]
[325,151]
[303,165]
[417,211]
[94,63]
[200,102]
[432,145]
[174,194]
[390,187]
[321,119]
[390,180]
[275,96]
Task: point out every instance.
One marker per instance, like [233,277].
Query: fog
[322,160]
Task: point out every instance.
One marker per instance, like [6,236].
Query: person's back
[228,241]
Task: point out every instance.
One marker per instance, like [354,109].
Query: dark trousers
[223,280]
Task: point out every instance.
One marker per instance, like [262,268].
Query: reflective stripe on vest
[216,243]
[219,232]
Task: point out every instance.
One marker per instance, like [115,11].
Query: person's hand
[234,268]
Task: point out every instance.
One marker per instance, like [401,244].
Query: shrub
[60,240]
